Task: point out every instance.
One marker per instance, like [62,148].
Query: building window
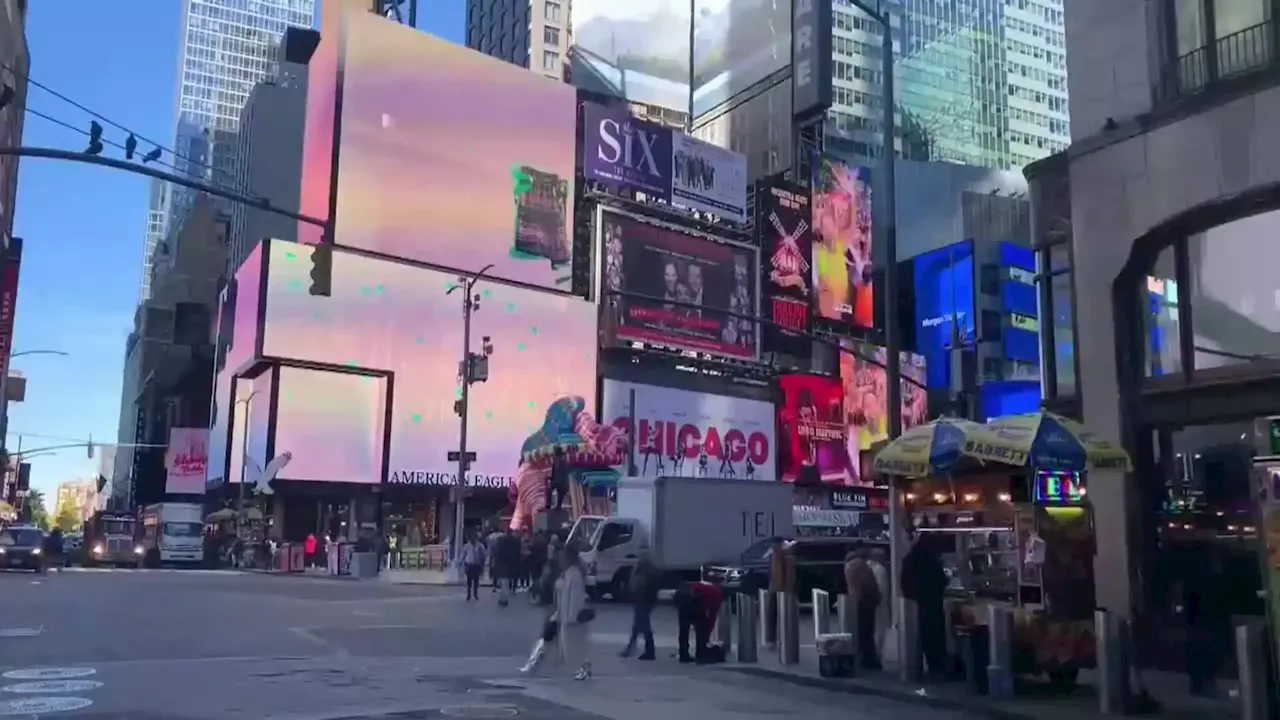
[1160,318]
[1234,299]
[551,36]
[1213,39]
[550,60]
[552,9]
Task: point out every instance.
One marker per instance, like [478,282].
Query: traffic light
[322,270]
[95,138]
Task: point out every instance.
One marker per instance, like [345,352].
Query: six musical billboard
[667,286]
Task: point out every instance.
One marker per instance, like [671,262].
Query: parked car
[22,548]
[819,566]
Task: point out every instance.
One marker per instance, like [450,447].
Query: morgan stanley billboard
[627,153]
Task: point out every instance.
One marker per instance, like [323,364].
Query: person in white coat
[572,614]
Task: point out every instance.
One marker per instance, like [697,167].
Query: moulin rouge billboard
[676,430]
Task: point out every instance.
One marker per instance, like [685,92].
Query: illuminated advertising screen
[784,223]
[944,305]
[451,157]
[390,318]
[736,44]
[813,430]
[237,337]
[333,423]
[863,375]
[636,50]
[255,394]
[662,263]
[689,433]
[999,399]
[842,262]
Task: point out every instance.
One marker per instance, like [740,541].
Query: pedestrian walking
[643,590]
[573,617]
[472,560]
[544,595]
[506,565]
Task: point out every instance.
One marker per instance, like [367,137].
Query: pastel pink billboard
[388,319]
[446,156]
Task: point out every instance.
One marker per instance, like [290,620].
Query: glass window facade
[227,47]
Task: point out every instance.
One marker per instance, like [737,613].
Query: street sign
[455,456]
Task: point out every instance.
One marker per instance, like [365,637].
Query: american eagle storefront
[1159,275]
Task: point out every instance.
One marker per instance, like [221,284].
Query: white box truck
[683,523]
[172,534]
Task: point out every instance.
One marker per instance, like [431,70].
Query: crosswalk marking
[192,571]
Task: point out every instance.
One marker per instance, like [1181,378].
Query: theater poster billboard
[784,223]
[812,423]
[666,286]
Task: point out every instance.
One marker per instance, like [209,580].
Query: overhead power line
[82,131]
[138,136]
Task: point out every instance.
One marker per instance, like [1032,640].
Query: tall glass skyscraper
[227,47]
[979,82]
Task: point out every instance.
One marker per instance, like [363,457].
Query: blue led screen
[1017,256]
[1022,345]
[944,290]
[1008,397]
[1018,297]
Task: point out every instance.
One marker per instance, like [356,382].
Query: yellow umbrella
[1044,441]
[934,448]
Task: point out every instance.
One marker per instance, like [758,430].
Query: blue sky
[83,226]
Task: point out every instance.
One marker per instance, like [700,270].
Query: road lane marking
[34,707]
[50,673]
[320,642]
[48,687]
[21,632]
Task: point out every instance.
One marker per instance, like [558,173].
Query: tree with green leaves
[36,512]
[67,520]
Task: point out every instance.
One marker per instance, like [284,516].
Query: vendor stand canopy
[935,448]
[1044,441]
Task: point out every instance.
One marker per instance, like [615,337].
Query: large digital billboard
[661,263]
[675,429]
[784,223]
[812,422]
[333,423]
[736,45]
[944,306]
[391,318]
[865,381]
[636,50]
[842,259]
[448,156]
[237,337]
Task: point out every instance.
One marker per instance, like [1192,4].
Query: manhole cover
[480,711]
[20,632]
[50,673]
[42,706]
[41,687]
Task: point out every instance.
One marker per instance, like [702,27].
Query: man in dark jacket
[925,582]
[506,564]
[697,606]
[644,594]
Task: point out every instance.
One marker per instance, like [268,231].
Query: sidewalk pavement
[1034,702]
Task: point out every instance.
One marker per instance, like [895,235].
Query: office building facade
[226,47]
[1161,315]
[14,64]
[529,33]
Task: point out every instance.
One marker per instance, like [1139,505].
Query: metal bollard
[1110,630]
[748,651]
[1251,659]
[910,662]
[821,613]
[788,629]
[847,614]
[768,619]
[1000,663]
[724,626]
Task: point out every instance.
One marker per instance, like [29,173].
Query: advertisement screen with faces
[237,336]
[387,317]
[335,421]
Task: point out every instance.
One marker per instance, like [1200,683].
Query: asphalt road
[175,645]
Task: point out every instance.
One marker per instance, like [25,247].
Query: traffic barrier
[1251,659]
[910,663]
[748,613]
[788,629]
[1111,630]
[768,619]
[724,626]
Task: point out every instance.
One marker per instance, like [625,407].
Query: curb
[886,691]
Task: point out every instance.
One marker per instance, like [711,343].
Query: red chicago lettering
[668,438]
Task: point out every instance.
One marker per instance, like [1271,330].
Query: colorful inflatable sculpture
[584,445]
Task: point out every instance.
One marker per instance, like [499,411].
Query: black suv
[819,566]
[22,548]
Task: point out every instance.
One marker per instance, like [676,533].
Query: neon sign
[1059,488]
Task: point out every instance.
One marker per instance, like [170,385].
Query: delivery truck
[682,523]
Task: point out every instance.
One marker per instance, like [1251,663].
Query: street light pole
[244,452]
[4,390]
[466,374]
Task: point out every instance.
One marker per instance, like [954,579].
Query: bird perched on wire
[152,156]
